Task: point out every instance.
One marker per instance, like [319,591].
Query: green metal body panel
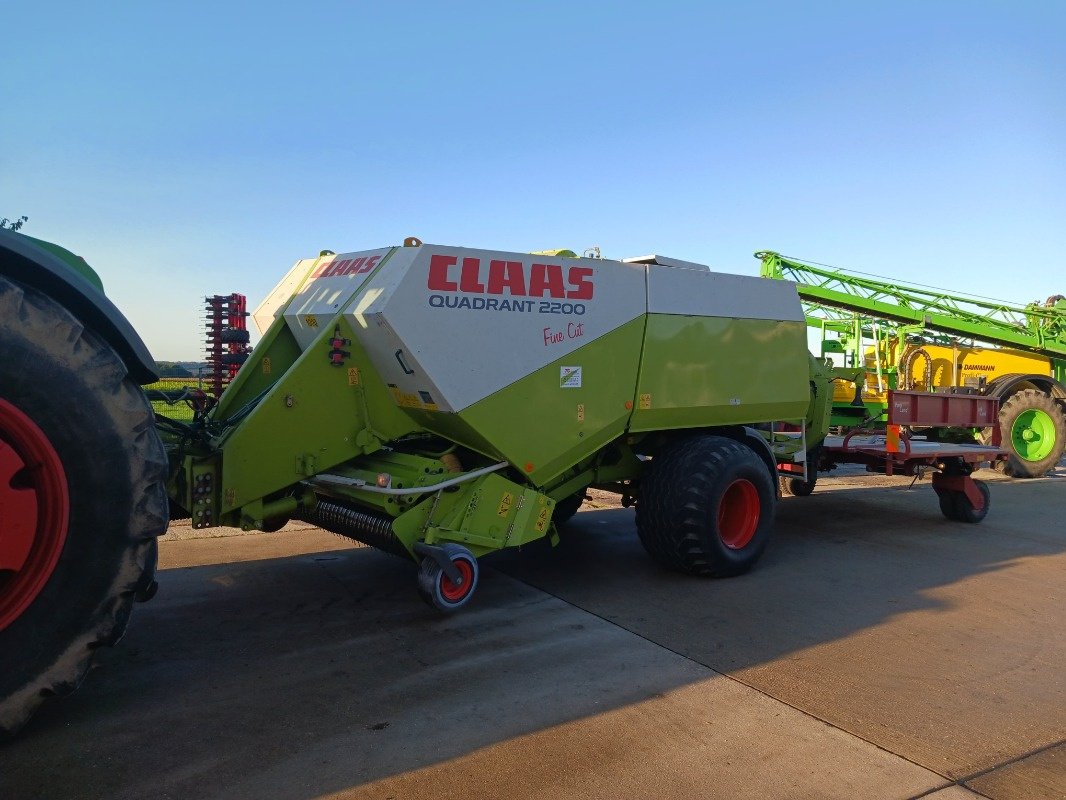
[314,417]
[545,429]
[704,371]
[488,514]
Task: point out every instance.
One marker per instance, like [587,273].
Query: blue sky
[197,148]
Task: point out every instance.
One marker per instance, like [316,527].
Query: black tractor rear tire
[75,393]
[706,507]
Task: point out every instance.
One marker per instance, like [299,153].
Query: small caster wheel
[964,508]
[796,487]
[957,507]
[947,505]
[440,591]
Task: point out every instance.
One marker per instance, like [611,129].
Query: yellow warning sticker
[645,402]
[410,399]
[505,504]
[311,321]
[543,518]
[580,412]
[353,376]
[266,366]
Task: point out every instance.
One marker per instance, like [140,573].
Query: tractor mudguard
[25,260]
[1005,385]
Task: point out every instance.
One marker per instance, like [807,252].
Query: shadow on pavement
[301,676]
[940,641]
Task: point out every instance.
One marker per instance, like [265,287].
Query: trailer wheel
[1034,431]
[947,505]
[797,487]
[438,590]
[706,507]
[957,507]
[964,508]
[82,499]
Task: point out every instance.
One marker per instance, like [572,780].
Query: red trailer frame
[894,452]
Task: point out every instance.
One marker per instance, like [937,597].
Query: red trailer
[894,451]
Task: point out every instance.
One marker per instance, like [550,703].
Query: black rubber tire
[234,359]
[431,574]
[797,487]
[964,510]
[235,336]
[1009,410]
[679,502]
[956,506]
[75,389]
[948,505]
[567,507]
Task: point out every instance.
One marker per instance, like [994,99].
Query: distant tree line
[171,369]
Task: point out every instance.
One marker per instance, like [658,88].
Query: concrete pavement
[876,651]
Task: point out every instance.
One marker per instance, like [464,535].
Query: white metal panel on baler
[466,326]
[329,288]
[696,292]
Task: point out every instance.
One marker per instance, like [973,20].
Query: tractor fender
[22,260]
[1006,385]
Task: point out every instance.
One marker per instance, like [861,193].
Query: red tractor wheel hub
[34,511]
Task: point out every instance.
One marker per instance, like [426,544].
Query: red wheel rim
[452,593]
[34,510]
[738,514]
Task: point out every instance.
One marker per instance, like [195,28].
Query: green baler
[443,403]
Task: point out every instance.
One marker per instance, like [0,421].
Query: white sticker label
[569,377]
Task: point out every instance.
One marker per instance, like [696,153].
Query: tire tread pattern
[128,411]
[674,506]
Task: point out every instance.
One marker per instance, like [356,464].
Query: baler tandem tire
[1034,431]
[93,511]
[706,507]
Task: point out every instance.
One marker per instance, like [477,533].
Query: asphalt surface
[877,651]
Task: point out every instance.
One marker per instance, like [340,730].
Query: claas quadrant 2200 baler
[443,403]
